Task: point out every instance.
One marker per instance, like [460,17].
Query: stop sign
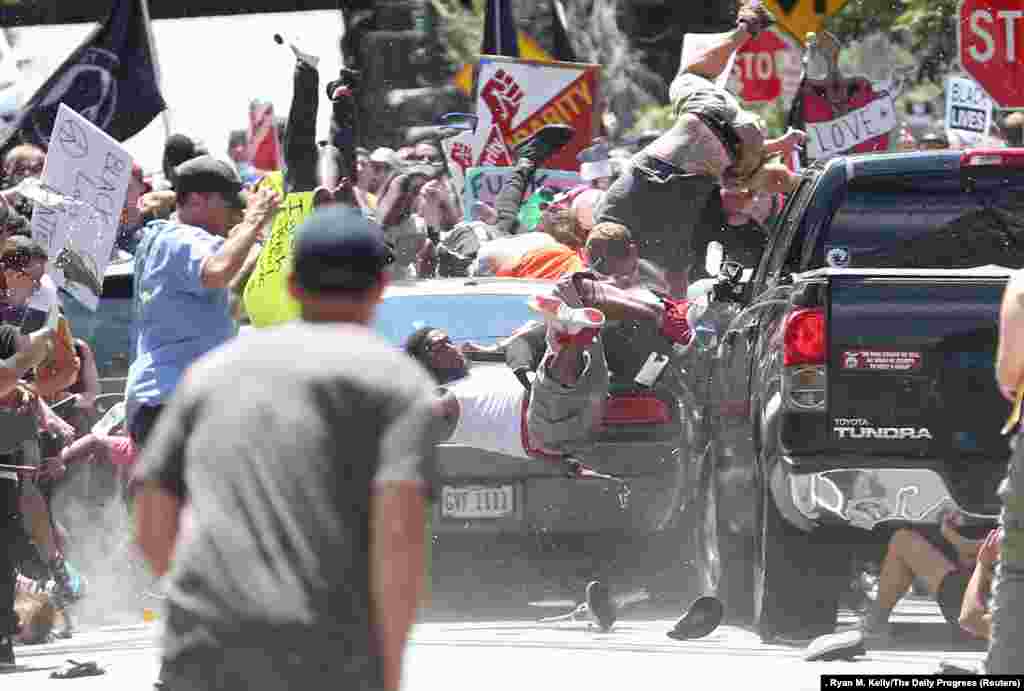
[759,65]
[990,36]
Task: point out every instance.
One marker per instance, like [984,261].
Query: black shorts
[951,594]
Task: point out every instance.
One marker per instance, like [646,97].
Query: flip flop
[74,670]
[703,617]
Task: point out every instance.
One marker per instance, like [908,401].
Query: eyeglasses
[426,159]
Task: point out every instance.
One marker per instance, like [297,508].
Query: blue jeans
[1006,648]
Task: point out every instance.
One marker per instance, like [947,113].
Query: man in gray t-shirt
[299,461]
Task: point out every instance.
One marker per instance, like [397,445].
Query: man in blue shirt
[182,270]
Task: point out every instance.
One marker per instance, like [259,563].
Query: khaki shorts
[564,420]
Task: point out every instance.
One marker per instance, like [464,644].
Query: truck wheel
[723,558]
[798,576]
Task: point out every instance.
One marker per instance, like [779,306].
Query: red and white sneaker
[572,320]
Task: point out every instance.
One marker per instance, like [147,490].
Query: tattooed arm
[1010,357]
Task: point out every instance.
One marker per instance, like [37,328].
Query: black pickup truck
[848,385]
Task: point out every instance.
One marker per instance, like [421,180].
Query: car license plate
[478,502]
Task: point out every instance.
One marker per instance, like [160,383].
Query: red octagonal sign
[759,68]
[990,36]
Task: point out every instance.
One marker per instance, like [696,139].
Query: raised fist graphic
[503,96]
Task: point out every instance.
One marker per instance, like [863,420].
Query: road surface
[519,653]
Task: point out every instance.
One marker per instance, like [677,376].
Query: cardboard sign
[869,122]
[968,107]
[89,172]
[483,184]
[267,300]
[515,98]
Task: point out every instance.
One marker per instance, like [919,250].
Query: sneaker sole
[582,317]
[836,646]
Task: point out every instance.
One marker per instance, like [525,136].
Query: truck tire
[724,559]
[798,576]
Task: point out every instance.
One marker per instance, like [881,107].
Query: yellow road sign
[528,49]
[800,17]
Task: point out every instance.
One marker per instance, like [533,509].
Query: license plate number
[478,502]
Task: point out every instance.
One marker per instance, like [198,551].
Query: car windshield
[482,319]
[947,221]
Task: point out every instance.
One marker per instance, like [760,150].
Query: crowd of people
[283,560]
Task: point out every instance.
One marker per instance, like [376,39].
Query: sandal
[74,670]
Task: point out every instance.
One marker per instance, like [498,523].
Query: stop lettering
[759,67]
[990,37]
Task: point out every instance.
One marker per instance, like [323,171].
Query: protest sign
[87,174]
[516,98]
[869,122]
[267,300]
[841,114]
[484,183]
[968,109]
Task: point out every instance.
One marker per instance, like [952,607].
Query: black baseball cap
[338,249]
[209,174]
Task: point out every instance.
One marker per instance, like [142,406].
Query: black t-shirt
[276,441]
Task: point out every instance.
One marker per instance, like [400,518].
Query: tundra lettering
[883,432]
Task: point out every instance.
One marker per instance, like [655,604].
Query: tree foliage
[927,26]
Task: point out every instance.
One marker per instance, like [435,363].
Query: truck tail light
[803,338]
[636,409]
[805,352]
[992,157]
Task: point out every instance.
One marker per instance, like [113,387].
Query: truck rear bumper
[862,497]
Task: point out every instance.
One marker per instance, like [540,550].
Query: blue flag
[109,79]
[500,35]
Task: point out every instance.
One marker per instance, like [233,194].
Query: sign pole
[166,115]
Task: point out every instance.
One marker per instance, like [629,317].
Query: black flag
[500,35]
[109,79]
[560,39]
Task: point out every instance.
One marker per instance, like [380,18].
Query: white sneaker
[571,320]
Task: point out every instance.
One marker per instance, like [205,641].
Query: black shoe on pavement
[543,143]
[6,652]
[703,617]
[836,646]
[599,602]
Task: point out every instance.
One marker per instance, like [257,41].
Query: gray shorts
[565,420]
[662,206]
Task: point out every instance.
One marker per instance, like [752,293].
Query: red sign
[759,66]
[990,36]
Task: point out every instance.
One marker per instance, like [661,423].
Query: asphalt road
[521,653]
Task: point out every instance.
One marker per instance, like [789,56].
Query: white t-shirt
[490,411]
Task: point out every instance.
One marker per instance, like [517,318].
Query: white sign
[518,97]
[695,46]
[968,107]
[867,122]
[90,171]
